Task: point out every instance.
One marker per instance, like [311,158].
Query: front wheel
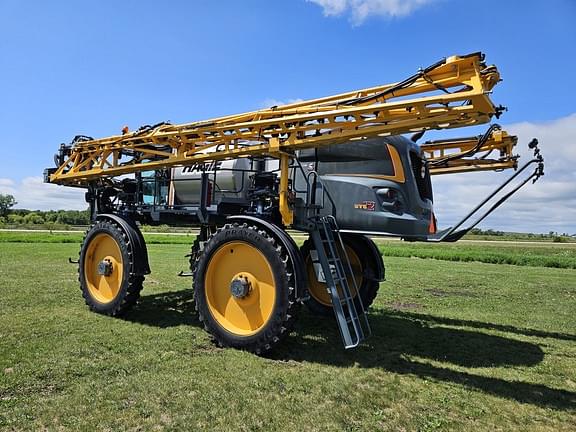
[244,288]
[107,283]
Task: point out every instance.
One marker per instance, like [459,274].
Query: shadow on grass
[169,309]
[396,336]
[490,326]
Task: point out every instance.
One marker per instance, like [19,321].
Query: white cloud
[6,185]
[270,102]
[359,10]
[332,7]
[548,205]
[33,194]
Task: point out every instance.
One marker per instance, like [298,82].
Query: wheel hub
[240,287]
[105,267]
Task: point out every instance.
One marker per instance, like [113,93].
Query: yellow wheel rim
[237,261]
[319,291]
[103,250]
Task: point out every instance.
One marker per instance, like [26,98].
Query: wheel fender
[140,265]
[288,242]
[376,257]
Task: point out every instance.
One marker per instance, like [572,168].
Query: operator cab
[378,186]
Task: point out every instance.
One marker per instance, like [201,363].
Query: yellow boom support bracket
[452,93]
[285,210]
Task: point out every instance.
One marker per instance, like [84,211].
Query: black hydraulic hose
[481,141]
[147,128]
[81,138]
[406,83]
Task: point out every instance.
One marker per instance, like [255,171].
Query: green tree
[15,218]
[6,203]
[34,219]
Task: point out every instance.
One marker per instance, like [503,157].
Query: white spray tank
[228,179]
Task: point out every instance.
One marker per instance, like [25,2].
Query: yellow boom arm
[449,94]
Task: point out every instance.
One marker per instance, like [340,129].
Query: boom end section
[492,151]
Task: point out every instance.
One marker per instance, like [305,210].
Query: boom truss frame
[452,93]
[449,94]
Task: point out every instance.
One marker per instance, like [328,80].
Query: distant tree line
[552,235]
[59,217]
[10,216]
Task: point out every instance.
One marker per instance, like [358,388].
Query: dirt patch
[404,306]
[448,293]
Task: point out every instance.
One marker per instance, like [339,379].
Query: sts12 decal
[366,205]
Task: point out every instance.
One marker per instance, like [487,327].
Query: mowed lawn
[463,346]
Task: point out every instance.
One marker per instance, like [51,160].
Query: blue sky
[70,68]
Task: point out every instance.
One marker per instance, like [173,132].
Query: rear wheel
[107,283]
[364,267]
[244,288]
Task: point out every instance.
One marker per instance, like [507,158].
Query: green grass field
[462,346]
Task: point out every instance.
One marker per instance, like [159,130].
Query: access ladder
[335,264]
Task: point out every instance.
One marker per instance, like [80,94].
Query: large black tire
[365,266]
[257,318]
[116,293]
